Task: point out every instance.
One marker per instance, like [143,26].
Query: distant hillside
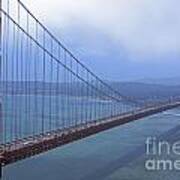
[142,90]
[131,89]
[171,81]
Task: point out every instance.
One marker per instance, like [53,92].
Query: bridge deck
[35,145]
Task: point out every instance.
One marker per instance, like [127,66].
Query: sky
[118,39]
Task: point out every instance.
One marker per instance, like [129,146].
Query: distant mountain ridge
[131,89]
[172,81]
[146,90]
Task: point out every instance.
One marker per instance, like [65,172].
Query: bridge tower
[0,85]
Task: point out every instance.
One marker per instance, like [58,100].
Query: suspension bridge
[48,97]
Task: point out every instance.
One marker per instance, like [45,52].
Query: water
[28,115]
[116,154]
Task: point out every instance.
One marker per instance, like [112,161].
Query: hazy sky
[119,39]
